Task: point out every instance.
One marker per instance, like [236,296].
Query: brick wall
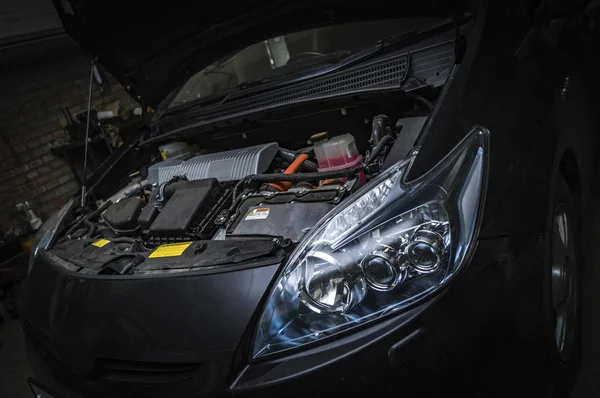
[31,121]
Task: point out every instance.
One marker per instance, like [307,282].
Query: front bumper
[188,336]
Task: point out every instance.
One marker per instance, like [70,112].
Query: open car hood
[153,49]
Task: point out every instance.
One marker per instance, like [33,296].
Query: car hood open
[152,49]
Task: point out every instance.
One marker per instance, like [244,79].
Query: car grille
[114,370]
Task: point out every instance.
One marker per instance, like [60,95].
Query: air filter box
[122,216]
[189,211]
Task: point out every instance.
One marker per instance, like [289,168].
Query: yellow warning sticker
[101,243]
[170,250]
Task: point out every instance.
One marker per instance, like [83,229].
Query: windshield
[292,54]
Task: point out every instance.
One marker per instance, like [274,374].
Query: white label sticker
[258,214]
[352,149]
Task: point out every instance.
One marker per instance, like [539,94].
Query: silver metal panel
[224,166]
[154,170]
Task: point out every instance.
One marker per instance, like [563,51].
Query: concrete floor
[14,369]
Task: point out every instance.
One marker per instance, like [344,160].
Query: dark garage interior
[300,200]
[44,72]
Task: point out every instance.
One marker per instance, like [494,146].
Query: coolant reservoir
[337,153]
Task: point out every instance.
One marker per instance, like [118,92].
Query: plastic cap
[322,136]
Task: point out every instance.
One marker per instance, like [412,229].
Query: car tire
[562,278]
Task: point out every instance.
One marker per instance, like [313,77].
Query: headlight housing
[394,243]
[47,231]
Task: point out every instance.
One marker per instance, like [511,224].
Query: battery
[290,220]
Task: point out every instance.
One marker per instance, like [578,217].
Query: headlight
[46,233]
[393,244]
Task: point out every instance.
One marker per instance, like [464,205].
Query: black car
[326,199]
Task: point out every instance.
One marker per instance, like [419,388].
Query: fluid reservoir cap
[322,136]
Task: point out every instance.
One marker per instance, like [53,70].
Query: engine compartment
[199,209]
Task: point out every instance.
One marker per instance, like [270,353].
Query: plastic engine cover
[224,166]
[122,216]
[189,211]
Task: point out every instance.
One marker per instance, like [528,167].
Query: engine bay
[201,209]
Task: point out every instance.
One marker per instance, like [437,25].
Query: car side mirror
[555,9]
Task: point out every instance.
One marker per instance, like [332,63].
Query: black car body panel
[91,328]
[182,342]
[481,328]
[516,94]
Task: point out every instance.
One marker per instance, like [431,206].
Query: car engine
[194,209]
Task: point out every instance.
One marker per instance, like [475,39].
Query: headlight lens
[395,243]
[46,233]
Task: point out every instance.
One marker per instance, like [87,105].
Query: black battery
[289,220]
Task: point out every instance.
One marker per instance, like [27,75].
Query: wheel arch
[568,167]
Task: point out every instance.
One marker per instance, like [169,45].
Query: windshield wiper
[294,76]
[218,98]
[307,74]
[372,51]
[379,47]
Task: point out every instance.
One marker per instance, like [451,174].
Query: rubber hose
[90,216]
[425,101]
[91,228]
[289,156]
[292,169]
[137,260]
[123,239]
[100,209]
[376,131]
[379,148]
[324,175]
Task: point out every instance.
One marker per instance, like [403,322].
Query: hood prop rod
[87,134]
